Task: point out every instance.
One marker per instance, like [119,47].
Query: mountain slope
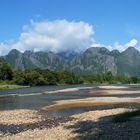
[128,62]
[94,60]
[30,59]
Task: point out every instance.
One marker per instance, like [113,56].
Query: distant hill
[94,60]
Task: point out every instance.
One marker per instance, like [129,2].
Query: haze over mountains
[94,60]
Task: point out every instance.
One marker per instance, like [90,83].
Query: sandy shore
[25,124]
[89,124]
[93,101]
[87,88]
[20,116]
[101,90]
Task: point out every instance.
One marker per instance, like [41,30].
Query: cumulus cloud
[4,48]
[120,47]
[117,45]
[56,36]
[131,43]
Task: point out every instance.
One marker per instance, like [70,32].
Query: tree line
[34,77]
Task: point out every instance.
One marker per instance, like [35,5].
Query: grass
[126,116]
[10,86]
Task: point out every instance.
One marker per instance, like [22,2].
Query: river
[38,97]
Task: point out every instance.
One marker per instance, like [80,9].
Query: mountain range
[95,60]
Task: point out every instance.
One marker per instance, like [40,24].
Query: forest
[36,77]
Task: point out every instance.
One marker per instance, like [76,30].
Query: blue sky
[112,20]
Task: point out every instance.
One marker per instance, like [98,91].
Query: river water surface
[38,97]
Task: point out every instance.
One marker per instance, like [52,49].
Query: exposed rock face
[94,60]
[30,59]
[128,62]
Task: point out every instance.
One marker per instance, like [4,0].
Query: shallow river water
[38,97]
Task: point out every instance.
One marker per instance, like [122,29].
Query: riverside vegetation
[10,78]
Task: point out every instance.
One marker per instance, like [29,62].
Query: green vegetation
[109,78]
[6,72]
[10,78]
[33,77]
[126,116]
[7,86]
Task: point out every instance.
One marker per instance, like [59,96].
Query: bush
[33,78]
[6,72]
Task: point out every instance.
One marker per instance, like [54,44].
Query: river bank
[66,113]
[8,85]
[89,125]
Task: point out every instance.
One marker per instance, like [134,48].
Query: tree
[6,72]
[19,77]
[108,76]
[134,80]
[33,78]
[67,77]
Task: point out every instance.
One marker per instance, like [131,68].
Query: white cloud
[4,48]
[117,45]
[56,36]
[131,43]
[120,47]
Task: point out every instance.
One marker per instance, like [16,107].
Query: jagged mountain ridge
[30,59]
[94,60]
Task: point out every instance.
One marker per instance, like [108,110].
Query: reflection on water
[43,89]
[12,99]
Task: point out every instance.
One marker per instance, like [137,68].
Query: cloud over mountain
[131,43]
[58,36]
